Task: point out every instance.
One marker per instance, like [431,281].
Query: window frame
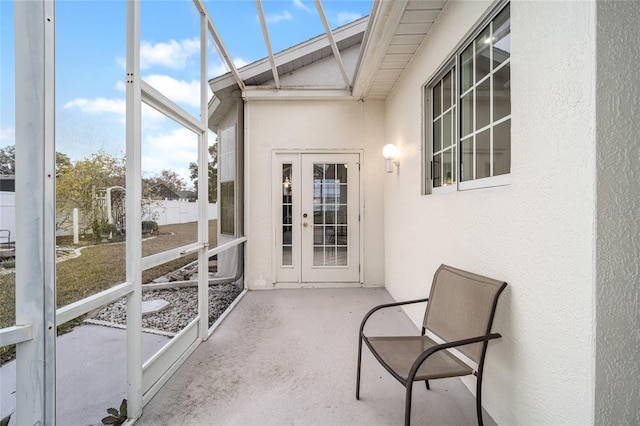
[428,166]
[453,62]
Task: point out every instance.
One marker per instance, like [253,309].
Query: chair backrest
[462,305]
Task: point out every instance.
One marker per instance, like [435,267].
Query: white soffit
[396,29]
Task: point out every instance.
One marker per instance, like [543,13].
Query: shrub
[149,227]
[107,228]
[8,263]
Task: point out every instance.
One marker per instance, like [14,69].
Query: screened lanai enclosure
[130,226]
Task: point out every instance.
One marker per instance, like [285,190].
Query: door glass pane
[330,209]
[483,155]
[502,148]
[287,215]
[342,173]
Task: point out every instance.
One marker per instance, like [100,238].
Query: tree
[170,178]
[8,161]
[63,163]
[76,187]
[213,173]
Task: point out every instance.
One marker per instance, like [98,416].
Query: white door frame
[291,277]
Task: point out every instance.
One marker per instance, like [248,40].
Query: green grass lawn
[100,267]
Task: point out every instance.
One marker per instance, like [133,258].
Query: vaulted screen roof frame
[265,34]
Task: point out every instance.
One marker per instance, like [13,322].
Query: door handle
[305,224]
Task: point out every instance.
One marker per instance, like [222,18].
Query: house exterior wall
[617,304]
[537,233]
[324,72]
[310,125]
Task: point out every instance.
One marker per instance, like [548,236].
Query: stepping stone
[154,306]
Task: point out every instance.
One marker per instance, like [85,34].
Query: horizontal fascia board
[297,94]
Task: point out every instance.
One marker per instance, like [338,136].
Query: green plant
[116,417]
[107,228]
[5,420]
[9,263]
[149,226]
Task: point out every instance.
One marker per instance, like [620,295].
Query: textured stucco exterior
[536,233]
[311,126]
[617,304]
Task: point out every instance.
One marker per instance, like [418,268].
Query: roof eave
[385,19]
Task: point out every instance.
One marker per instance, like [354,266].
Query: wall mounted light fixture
[390,153]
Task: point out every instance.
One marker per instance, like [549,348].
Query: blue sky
[90,54]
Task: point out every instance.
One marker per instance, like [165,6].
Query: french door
[318,218]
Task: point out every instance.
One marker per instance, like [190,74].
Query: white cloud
[172,55]
[274,18]
[219,68]
[7,135]
[180,91]
[300,5]
[173,151]
[121,87]
[345,17]
[98,105]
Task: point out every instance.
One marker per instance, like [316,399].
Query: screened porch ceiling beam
[332,42]
[267,42]
[219,43]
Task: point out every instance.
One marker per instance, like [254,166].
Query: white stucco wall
[617,383]
[536,233]
[324,72]
[310,125]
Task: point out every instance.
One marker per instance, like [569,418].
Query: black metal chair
[455,333]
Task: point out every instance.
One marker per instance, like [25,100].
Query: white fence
[8,214]
[168,212]
[165,212]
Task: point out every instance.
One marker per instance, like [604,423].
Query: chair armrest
[427,353]
[386,305]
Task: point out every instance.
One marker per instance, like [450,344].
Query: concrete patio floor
[289,357]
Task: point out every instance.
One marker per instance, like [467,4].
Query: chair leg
[479,399]
[407,405]
[359,362]
[426,383]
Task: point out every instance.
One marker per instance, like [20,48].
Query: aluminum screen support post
[35,210]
